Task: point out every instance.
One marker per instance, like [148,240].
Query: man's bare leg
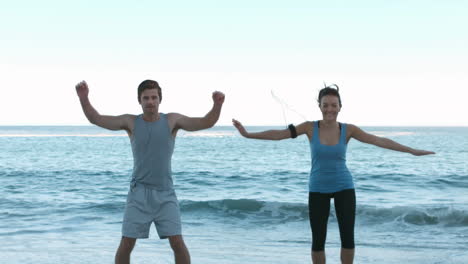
[125,249]
[181,253]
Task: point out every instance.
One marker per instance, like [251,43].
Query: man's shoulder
[128,122]
[173,116]
[128,116]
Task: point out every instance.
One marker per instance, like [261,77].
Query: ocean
[63,191]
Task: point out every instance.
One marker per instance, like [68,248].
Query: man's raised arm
[108,122]
[199,123]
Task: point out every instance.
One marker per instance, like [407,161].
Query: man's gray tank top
[152,147]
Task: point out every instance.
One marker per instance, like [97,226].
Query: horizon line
[230,125]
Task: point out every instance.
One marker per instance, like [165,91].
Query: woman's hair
[329,90]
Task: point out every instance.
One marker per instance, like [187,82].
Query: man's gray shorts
[146,206]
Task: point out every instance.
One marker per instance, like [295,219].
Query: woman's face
[330,107]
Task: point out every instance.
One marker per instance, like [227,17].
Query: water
[63,190]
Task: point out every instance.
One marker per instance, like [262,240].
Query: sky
[397,62]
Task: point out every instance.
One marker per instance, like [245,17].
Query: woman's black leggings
[319,210]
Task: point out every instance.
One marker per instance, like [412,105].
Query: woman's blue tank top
[329,173]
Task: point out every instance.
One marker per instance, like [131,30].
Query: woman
[329,177]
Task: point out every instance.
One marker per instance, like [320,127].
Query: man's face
[149,101]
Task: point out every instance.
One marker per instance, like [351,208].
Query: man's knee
[127,244]
[177,243]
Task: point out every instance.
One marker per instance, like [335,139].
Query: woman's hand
[240,127]
[419,152]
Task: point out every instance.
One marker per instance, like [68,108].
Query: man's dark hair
[149,84]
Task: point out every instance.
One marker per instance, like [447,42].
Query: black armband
[292,128]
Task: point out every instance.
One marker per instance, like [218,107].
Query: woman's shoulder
[304,127]
[309,124]
[350,129]
[348,125]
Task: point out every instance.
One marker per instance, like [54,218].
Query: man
[151,198]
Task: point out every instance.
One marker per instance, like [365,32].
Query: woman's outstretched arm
[274,134]
[382,142]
